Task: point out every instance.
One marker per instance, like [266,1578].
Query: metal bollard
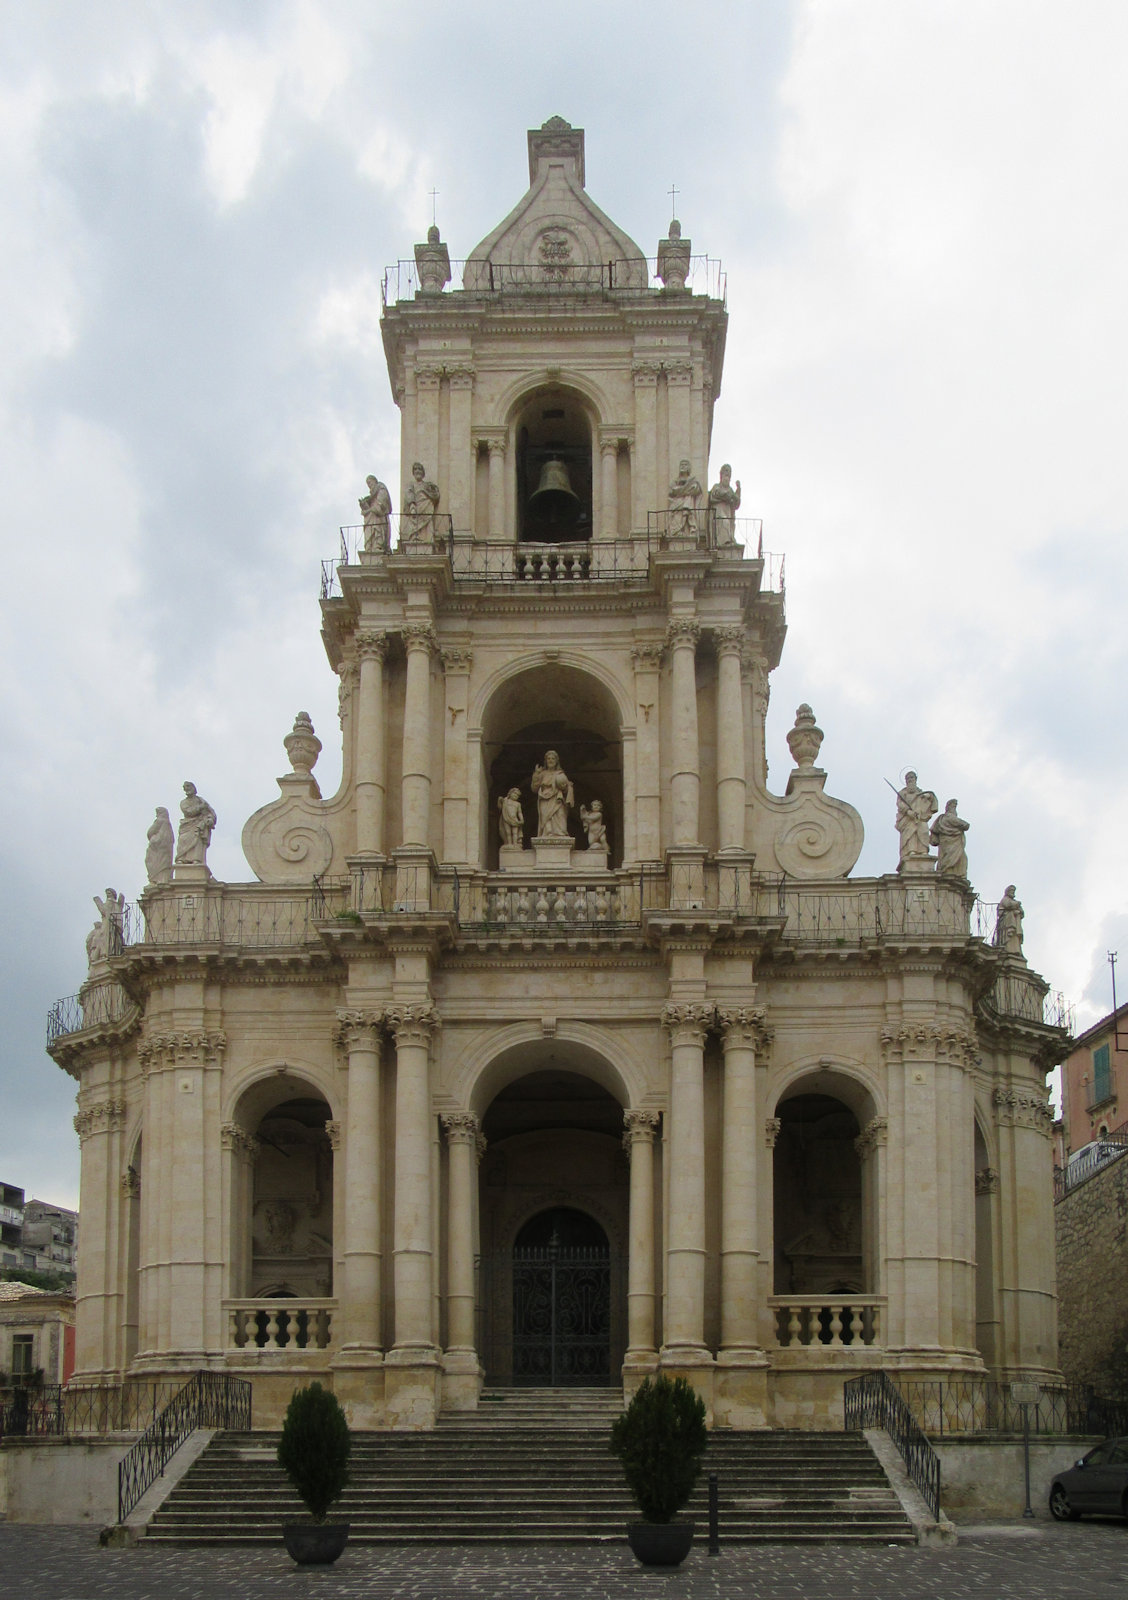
[714,1517]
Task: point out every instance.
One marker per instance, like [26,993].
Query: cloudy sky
[920,208]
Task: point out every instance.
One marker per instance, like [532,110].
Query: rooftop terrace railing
[96,1005]
[625,275]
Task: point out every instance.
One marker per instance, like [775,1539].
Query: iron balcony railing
[207,1400]
[706,276]
[1085,1164]
[97,1005]
[871,1401]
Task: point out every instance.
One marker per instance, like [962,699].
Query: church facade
[555,1048]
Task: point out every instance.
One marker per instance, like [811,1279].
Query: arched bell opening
[553,431]
[554,1209]
[559,708]
[823,1264]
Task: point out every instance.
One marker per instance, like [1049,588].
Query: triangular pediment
[556,236]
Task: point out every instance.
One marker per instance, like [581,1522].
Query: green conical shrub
[314,1448]
[660,1440]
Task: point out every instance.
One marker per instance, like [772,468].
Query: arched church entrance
[554,1230]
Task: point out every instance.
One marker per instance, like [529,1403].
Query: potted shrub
[314,1452]
[660,1440]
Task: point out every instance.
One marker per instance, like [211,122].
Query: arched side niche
[553,433]
[553,706]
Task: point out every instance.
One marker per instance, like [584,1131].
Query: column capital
[457,660]
[874,1134]
[646,657]
[333,1134]
[986,1181]
[100,1116]
[745,1026]
[461,377]
[234,1137]
[461,1127]
[495,443]
[1013,1109]
[371,645]
[186,1048]
[419,636]
[645,374]
[130,1186]
[772,1126]
[358,1029]
[729,641]
[609,445]
[639,1127]
[688,1023]
[682,632]
[679,373]
[413,1024]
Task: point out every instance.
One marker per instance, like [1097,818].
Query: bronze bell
[554,499]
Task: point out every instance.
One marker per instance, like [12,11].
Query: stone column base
[358,1383]
[412,1379]
[696,1366]
[461,1382]
[638,1365]
[740,1390]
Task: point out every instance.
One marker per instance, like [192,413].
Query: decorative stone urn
[302,745]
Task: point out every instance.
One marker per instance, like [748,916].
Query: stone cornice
[100,1116]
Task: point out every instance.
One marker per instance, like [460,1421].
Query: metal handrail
[872,1401]
[958,1407]
[207,1400]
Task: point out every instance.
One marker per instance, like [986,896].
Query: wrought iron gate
[561,1316]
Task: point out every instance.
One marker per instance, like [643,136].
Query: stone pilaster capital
[688,1023]
[371,644]
[234,1137]
[1016,1109]
[130,1186]
[646,657]
[679,373]
[645,374]
[162,1051]
[428,376]
[457,660]
[744,1027]
[772,1126]
[99,1116]
[358,1030]
[639,1127]
[461,1127]
[609,444]
[682,633]
[461,377]
[495,441]
[986,1181]
[419,636]
[413,1024]
[875,1133]
[729,641]
[333,1134]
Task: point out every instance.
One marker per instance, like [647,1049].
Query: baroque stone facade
[556,1046]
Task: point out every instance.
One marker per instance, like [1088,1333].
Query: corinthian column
[731,780]
[741,1031]
[638,1140]
[685,1272]
[370,648]
[419,641]
[463,1132]
[685,777]
[412,1026]
[609,453]
[359,1034]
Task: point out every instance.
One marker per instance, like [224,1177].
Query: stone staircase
[532,1467]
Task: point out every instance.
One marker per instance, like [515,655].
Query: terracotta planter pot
[660,1544]
[315,1543]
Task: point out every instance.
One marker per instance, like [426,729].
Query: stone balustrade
[272,1324]
[810,1320]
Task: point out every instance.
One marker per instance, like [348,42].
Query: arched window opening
[554,469]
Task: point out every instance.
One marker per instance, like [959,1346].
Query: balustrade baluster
[794,1324]
[835,1323]
[272,1331]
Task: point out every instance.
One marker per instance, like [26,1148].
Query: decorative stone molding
[928,1039]
[371,644]
[349,674]
[754,667]
[681,631]
[688,1023]
[772,1126]
[986,1181]
[234,1137]
[745,1026]
[412,1024]
[457,660]
[1013,1109]
[162,1051]
[874,1134]
[333,1132]
[130,1185]
[419,636]
[358,1029]
[647,657]
[103,1116]
[640,1127]
[461,1127]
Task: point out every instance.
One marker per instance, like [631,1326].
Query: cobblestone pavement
[1040,1561]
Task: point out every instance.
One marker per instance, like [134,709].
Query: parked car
[1097,1483]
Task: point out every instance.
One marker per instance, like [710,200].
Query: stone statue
[197,819]
[674,257]
[107,937]
[947,834]
[724,502]
[914,808]
[1008,923]
[512,818]
[685,492]
[594,825]
[420,504]
[158,851]
[554,798]
[376,509]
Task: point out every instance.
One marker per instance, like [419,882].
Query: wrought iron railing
[207,1400]
[1085,1164]
[871,1401]
[96,1005]
[961,1407]
[51,1409]
[705,276]
[245,920]
[1023,995]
